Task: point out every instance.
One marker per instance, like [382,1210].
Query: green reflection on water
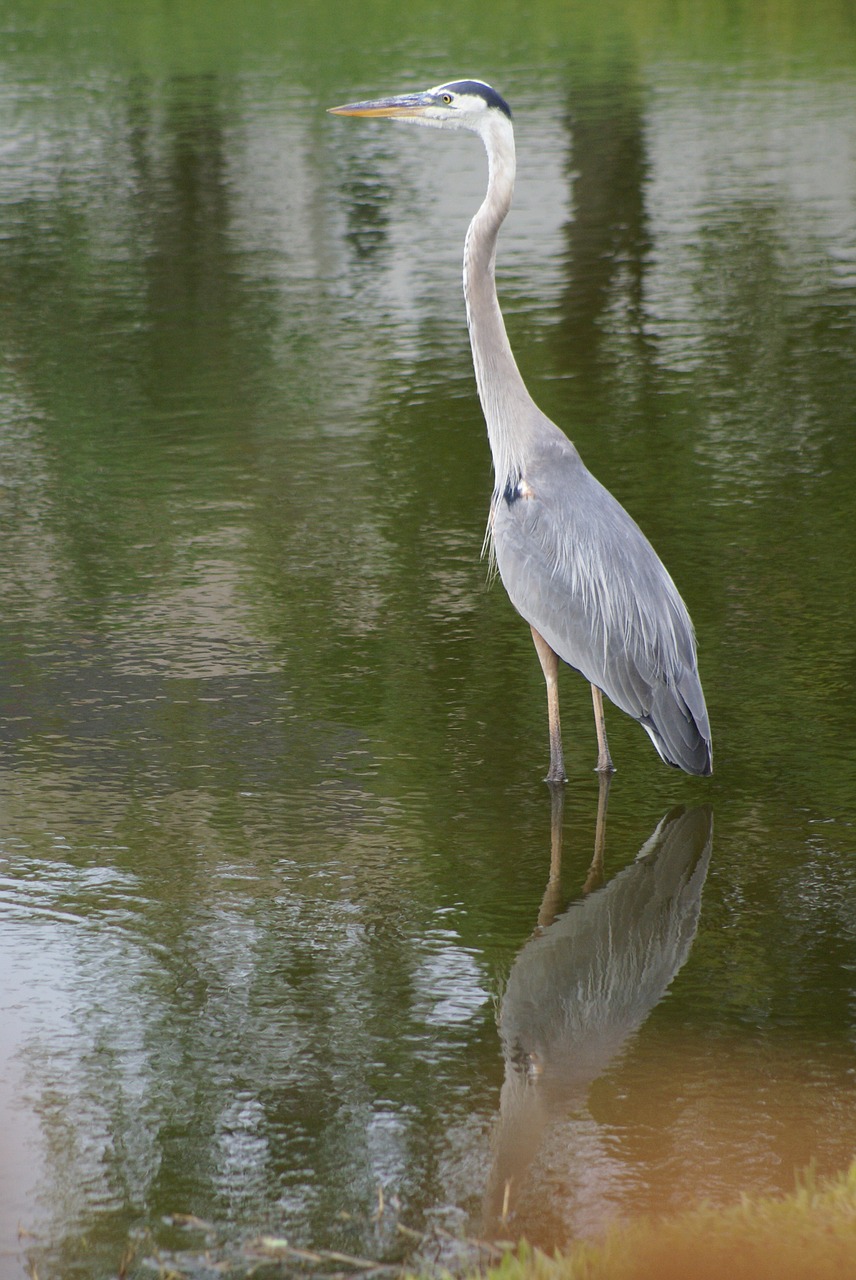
[273,830]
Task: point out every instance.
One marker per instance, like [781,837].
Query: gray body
[579,569]
[575,565]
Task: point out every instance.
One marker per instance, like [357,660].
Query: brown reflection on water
[677,1123]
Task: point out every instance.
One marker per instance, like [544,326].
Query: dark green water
[273,836]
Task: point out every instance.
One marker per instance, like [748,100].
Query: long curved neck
[506,403]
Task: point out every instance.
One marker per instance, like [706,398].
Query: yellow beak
[405,104]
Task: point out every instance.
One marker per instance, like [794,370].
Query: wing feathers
[579,569]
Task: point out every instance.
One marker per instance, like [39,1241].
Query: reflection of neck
[505,401]
[523,1117]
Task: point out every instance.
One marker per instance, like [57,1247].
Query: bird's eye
[447,98]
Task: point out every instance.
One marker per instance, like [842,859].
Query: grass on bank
[809,1235]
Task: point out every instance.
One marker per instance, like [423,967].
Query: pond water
[295,944]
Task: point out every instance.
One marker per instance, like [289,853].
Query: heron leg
[604,759]
[550,666]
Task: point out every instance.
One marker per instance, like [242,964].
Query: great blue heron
[575,565]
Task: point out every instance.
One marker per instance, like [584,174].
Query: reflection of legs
[551,903]
[604,759]
[594,879]
[550,666]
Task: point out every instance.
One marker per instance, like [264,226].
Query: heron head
[462,104]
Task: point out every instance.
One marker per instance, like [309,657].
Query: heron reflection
[586,981]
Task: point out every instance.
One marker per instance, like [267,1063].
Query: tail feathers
[678,726]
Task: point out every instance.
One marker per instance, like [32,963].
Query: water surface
[284,923]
